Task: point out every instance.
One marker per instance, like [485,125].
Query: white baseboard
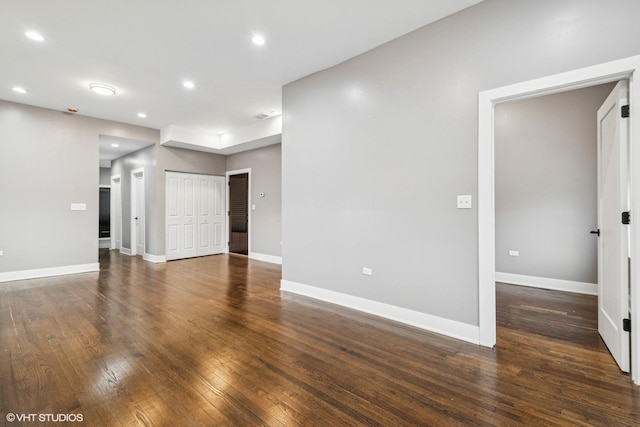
[546,283]
[104,243]
[156,259]
[267,258]
[48,272]
[125,251]
[450,328]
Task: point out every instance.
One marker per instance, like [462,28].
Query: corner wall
[375,150]
[49,160]
[266,178]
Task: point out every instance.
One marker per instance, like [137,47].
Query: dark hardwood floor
[211,341]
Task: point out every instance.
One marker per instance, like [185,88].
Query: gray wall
[105,176]
[180,160]
[145,158]
[49,160]
[546,185]
[375,150]
[266,177]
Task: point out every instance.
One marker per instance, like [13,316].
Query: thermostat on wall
[78,206]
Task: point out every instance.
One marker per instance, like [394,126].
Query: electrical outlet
[514,253]
[367,271]
[464,202]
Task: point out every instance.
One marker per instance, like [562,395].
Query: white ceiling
[146,48]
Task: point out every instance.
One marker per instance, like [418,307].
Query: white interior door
[181,216]
[137,212]
[613,253]
[210,215]
[195,215]
[116,213]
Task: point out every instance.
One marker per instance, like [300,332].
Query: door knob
[595,232]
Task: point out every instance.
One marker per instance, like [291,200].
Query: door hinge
[625,111]
[626,218]
[626,325]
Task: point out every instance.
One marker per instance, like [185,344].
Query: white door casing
[613,276]
[227,234]
[116,212]
[137,212]
[613,71]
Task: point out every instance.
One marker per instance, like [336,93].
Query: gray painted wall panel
[105,176]
[376,149]
[546,185]
[266,177]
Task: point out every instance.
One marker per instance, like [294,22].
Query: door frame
[137,174]
[116,211]
[249,207]
[627,68]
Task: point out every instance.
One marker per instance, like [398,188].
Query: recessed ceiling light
[102,89]
[258,39]
[188,84]
[34,35]
[142,115]
[115,145]
[19,90]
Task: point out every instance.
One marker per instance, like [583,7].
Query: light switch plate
[78,206]
[464,202]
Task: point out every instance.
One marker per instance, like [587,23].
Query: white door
[137,212]
[116,213]
[210,215]
[195,215]
[613,254]
[180,216]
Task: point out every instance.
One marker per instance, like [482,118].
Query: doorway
[239,184]
[137,212]
[602,73]
[548,164]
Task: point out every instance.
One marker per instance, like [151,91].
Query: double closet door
[195,215]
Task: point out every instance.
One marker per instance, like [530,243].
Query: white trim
[228,174]
[585,77]
[547,283]
[135,175]
[48,272]
[104,243]
[439,325]
[156,259]
[104,186]
[126,251]
[264,257]
[116,210]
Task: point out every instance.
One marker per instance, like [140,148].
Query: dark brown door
[239,213]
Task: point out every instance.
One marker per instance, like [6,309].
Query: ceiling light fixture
[115,145]
[34,35]
[258,40]
[188,84]
[102,89]
[19,89]
[142,115]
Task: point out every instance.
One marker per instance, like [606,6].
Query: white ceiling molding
[257,135]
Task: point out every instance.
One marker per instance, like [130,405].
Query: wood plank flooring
[211,341]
